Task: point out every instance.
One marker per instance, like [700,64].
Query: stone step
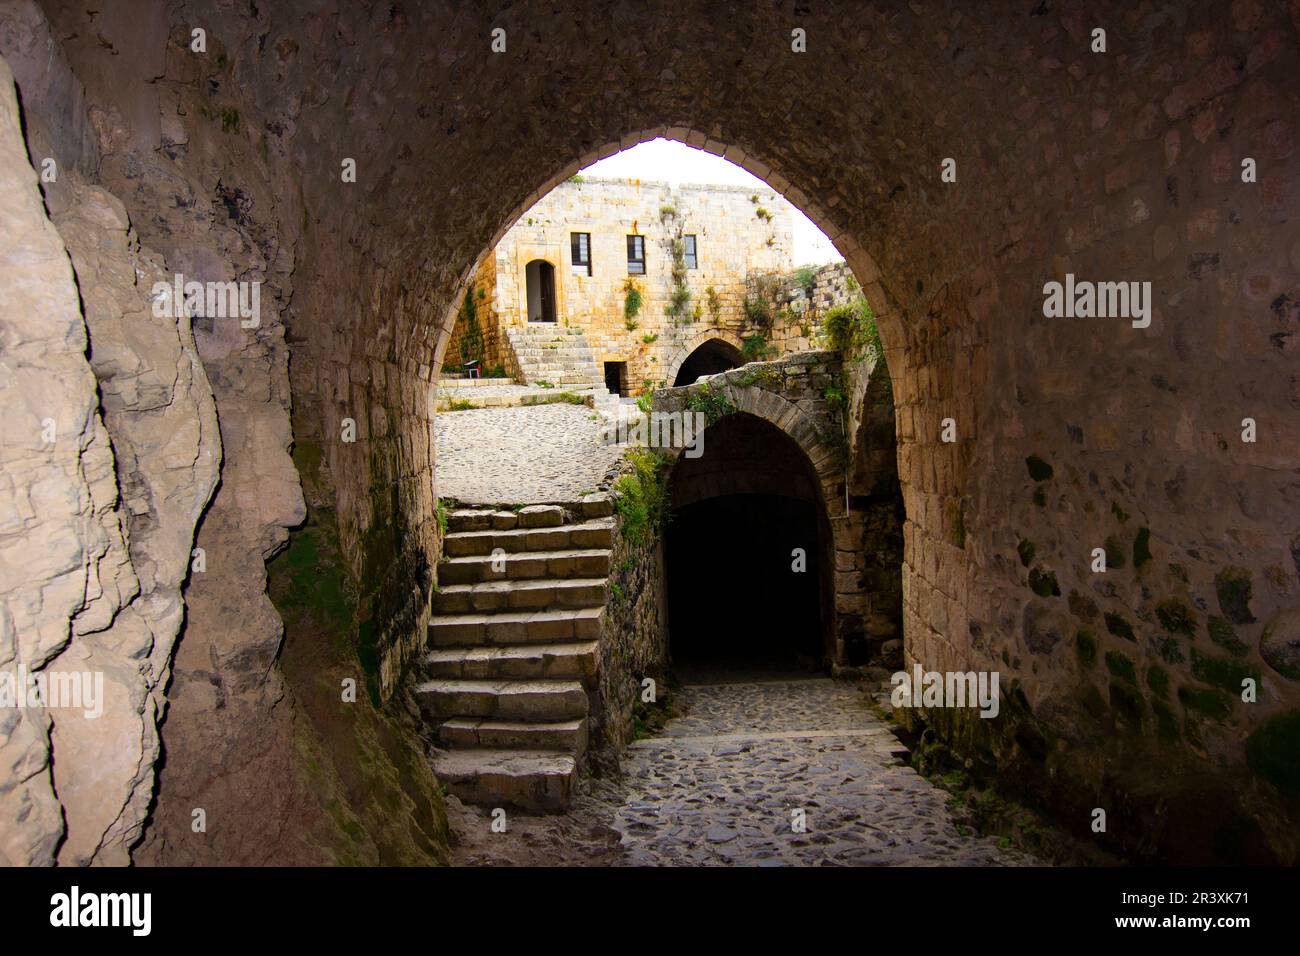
[515,627]
[514,662]
[536,595]
[592,533]
[566,736]
[568,563]
[530,779]
[515,700]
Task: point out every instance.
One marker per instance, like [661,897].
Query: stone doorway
[540,279]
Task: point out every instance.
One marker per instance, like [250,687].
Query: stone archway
[1056,174]
[728,344]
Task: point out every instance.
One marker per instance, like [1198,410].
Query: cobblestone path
[521,455]
[718,786]
[722,784]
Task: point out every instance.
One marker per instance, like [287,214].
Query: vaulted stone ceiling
[1070,434]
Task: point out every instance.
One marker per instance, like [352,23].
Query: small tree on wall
[471,338]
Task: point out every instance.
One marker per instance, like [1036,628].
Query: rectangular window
[689,243]
[580,246]
[636,255]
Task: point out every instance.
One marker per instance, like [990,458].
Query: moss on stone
[1121,666]
[1085,645]
[1169,650]
[1119,627]
[1176,617]
[1142,547]
[1040,497]
[1158,680]
[1120,514]
[1233,586]
[1222,672]
[1026,551]
[1224,634]
[1205,701]
[1039,470]
[1271,751]
[1043,583]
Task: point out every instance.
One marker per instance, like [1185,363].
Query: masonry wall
[738,231]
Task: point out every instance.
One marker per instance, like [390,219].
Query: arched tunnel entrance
[747,557]
[710,358]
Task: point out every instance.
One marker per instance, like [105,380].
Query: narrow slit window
[689,252]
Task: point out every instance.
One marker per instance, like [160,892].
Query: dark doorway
[714,356]
[539,276]
[748,558]
[737,607]
[616,377]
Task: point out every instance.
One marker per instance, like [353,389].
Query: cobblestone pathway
[718,785]
[521,455]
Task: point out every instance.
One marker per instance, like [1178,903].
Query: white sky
[674,162]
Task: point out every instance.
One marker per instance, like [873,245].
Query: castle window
[636,255]
[580,247]
[689,252]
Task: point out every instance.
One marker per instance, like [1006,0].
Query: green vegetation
[763,214]
[1205,702]
[650,338]
[1043,583]
[1026,551]
[1225,635]
[1085,645]
[1222,672]
[805,277]
[851,330]
[1271,751]
[441,513]
[471,336]
[631,299]
[642,496]
[1233,587]
[755,348]
[714,405]
[460,405]
[1121,666]
[1176,617]
[715,304]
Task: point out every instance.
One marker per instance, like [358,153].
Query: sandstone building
[647,272]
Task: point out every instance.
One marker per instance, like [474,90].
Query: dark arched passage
[710,358]
[747,556]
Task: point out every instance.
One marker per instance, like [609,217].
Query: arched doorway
[709,358]
[748,557]
[539,276]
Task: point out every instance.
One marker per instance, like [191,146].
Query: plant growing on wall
[715,304]
[631,299]
[851,330]
[679,300]
[755,348]
[471,339]
[641,497]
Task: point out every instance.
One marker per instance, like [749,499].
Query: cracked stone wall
[1122,165]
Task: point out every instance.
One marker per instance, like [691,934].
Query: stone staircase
[561,357]
[514,652]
